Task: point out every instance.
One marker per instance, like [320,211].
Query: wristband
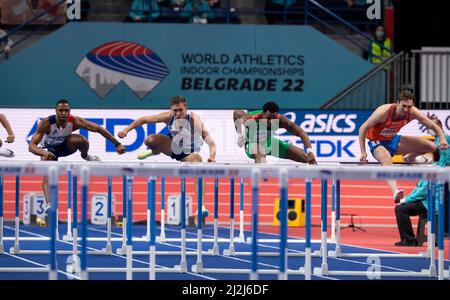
[309,150]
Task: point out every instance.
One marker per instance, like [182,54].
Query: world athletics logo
[138,67]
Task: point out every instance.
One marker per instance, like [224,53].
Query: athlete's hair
[178,100]
[406,94]
[62,101]
[271,106]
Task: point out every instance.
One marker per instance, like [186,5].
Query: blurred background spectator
[85,6]
[274,10]
[197,11]
[163,3]
[179,3]
[5,45]
[140,9]
[214,3]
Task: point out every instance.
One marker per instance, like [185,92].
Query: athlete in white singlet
[9,139]
[54,138]
[185,137]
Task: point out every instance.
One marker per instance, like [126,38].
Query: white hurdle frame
[323,172]
[430,253]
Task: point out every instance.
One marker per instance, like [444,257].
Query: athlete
[185,138]
[259,140]
[382,127]
[9,139]
[54,138]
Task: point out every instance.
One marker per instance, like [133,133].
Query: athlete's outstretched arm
[239,117]
[199,128]
[298,131]
[211,144]
[160,118]
[416,114]
[90,126]
[378,116]
[37,138]
[7,126]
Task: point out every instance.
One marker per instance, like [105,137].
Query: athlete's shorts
[60,150]
[274,147]
[390,145]
[183,154]
[180,156]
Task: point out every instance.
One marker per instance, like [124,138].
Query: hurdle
[71,230]
[231,250]
[241,238]
[336,192]
[43,170]
[2,246]
[198,267]
[333,212]
[277,241]
[53,194]
[337,253]
[16,248]
[215,249]
[151,197]
[282,271]
[108,247]
[151,192]
[68,236]
[215,239]
[2,249]
[430,272]
[162,234]
[151,242]
[122,249]
[324,172]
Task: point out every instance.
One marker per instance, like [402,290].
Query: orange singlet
[388,129]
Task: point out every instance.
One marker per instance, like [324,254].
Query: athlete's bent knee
[196,157]
[150,141]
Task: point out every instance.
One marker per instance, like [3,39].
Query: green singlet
[271,145]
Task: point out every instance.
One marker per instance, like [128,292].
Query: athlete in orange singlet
[382,127]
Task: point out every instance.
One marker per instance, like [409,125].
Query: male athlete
[184,141]
[381,130]
[186,132]
[9,139]
[259,140]
[416,203]
[54,138]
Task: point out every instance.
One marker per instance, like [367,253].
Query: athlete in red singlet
[382,127]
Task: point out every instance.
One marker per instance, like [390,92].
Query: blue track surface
[169,261]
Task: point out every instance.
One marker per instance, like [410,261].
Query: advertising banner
[333,134]
[130,66]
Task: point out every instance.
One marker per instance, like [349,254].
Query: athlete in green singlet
[259,140]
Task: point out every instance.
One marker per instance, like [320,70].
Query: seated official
[416,203]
